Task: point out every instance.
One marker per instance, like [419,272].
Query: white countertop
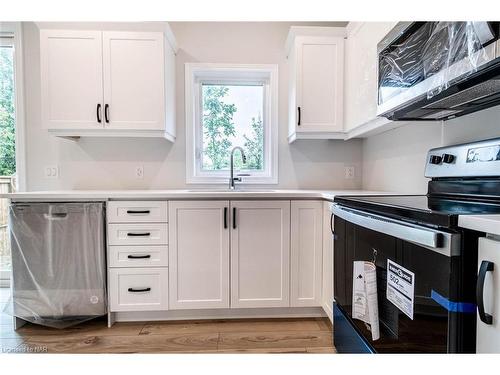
[216,193]
[482,223]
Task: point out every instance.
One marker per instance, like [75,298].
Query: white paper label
[400,287]
[364,296]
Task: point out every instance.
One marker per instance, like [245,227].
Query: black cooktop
[421,209]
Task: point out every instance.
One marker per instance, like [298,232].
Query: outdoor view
[7,145]
[232,116]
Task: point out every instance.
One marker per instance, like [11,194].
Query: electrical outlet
[51,171]
[349,172]
[139,172]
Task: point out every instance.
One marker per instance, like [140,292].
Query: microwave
[438,70]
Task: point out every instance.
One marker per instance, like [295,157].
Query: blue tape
[460,307]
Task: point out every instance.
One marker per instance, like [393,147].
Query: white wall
[395,160]
[109,163]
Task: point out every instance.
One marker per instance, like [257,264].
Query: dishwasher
[58,262]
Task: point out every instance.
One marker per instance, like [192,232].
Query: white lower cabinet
[199,254]
[217,254]
[306,252]
[327,289]
[137,256]
[260,254]
[488,335]
[138,289]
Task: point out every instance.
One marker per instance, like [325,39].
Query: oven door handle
[440,242]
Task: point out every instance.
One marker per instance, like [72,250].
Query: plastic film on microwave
[58,261]
[439,53]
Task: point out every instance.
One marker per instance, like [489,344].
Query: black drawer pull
[59,214]
[134,290]
[144,212]
[145,234]
[139,256]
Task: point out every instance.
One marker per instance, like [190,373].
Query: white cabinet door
[327,289]
[260,253]
[199,254]
[306,252]
[361,71]
[71,79]
[134,86]
[320,70]
[488,335]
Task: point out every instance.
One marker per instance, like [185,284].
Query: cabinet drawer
[138,289]
[138,256]
[137,212]
[138,234]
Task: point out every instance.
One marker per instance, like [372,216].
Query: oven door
[442,320]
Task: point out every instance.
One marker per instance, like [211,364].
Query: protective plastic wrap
[439,52]
[58,262]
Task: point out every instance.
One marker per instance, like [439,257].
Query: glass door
[7,148]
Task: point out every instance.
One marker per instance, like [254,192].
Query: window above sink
[231,105]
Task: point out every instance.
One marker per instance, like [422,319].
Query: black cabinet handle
[486,266]
[145,234]
[106,113]
[298,121]
[335,236]
[99,120]
[134,290]
[139,256]
[131,212]
[225,217]
[234,217]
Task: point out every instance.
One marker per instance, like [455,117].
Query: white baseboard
[327,308]
[286,312]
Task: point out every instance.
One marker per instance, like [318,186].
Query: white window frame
[195,75]
[14,29]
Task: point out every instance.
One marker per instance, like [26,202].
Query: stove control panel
[477,159]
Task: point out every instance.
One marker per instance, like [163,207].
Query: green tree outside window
[7,120]
[219,128]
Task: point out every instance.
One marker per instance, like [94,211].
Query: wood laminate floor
[307,335]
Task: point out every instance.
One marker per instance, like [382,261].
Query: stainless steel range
[415,240]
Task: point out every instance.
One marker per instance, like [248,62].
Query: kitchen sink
[243,190]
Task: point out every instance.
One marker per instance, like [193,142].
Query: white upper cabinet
[71,79]
[361,74]
[316,80]
[260,254]
[199,254]
[107,83]
[134,80]
[306,252]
